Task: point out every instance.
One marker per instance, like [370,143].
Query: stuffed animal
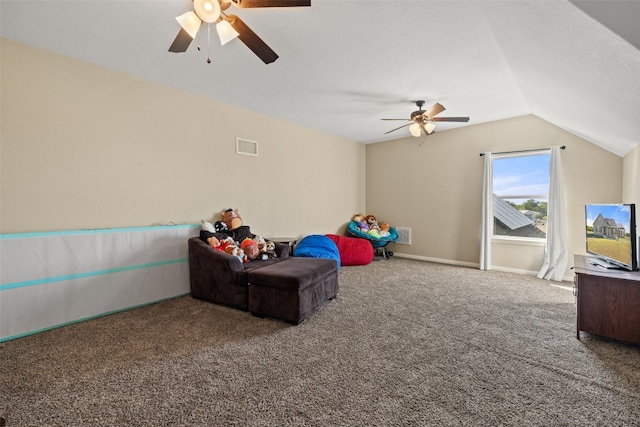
[220,226]
[360,222]
[227,245]
[207,226]
[270,250]
[260,241]
[250,248]
[384,229]
[372,222]
[220,245]
[266,247]
[231,218]
[236,251]
[214,242]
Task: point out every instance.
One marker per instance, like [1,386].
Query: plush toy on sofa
[229,246]
[231,236]
[267,248]
[260,241]
[270,250]
[206,225]
[250,248]
[231,218]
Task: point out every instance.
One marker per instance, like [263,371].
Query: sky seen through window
[520,178]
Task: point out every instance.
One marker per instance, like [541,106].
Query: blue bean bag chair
[317,246]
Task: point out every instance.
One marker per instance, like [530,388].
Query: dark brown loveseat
[221,278]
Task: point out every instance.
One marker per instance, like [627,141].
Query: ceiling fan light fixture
[207,10]
[423,120]
[190,23]
[430,127]
[226,32]
[415,129]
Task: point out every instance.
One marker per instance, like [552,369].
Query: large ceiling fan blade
[270,3]
[181,42]
[395,119]
[252,40]
[435,109]
[393,130]
[449,119]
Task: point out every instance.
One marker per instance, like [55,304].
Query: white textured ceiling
[345,64]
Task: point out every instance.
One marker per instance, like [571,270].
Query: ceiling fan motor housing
[417,115]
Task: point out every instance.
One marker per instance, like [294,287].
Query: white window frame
[526,241]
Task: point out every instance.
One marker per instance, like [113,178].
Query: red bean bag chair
[353,251]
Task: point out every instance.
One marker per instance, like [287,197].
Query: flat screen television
[611,235]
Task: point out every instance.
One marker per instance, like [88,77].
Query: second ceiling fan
[228,26]
[423,120]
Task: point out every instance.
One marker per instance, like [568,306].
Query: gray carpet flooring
[405,343]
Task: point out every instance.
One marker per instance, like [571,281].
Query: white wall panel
[53,279]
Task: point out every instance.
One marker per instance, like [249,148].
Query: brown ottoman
[290,290]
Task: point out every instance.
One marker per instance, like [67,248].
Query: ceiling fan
[228,26]
[423,120]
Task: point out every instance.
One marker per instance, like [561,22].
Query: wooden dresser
[607,301]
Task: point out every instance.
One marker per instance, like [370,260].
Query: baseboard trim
[438,260]
[473,265]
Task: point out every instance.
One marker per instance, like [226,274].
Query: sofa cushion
[243,276]
[293,273]
[353,251]
[292,289]
[317,246]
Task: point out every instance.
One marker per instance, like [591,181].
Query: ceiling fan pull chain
[208,43]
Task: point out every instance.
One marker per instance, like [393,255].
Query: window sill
[518,241]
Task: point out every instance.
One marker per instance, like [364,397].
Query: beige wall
[433,185]
[631,185]
[85,147]
[631,180]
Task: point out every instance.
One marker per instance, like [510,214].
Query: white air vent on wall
[404,235]
[244,146]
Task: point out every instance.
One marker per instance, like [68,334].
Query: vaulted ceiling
[346,64]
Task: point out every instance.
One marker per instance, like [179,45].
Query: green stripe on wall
[96,231]
[88,274]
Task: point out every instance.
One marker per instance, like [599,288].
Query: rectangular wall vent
[404,235]
[244,146]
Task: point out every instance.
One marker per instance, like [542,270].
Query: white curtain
[556,258]
[487,213]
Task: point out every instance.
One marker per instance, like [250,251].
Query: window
[521,194]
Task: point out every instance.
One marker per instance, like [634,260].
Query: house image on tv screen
[607,227]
